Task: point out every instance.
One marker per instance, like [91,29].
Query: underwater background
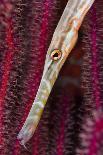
[72,121]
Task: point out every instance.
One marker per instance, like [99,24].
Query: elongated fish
[63,41]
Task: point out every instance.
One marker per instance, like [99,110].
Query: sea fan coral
[26,29]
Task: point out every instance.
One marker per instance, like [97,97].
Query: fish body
[62,43]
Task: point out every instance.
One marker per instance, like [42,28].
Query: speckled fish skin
[64,39]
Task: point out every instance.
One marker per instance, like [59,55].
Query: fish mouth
[36,111]
[25,134]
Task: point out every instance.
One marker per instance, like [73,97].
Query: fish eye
[56,54]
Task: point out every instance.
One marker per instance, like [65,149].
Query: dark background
[26,29]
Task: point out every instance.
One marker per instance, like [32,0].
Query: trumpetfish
[62,43]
